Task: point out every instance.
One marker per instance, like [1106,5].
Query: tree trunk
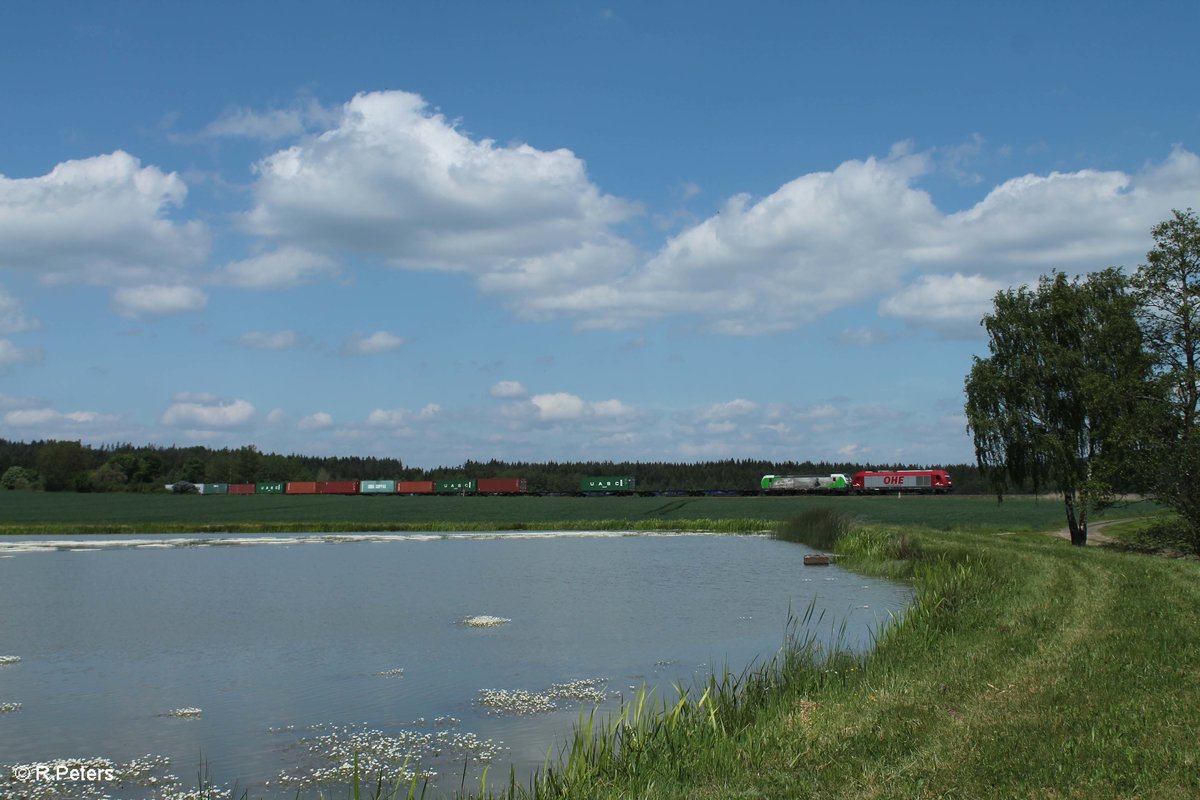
[1077,524]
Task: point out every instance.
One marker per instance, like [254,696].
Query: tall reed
[819,528]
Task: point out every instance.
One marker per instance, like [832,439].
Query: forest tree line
[74,466]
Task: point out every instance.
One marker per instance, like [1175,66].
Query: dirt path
[1094,536]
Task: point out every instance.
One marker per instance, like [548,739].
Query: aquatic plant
[188,711]
[819,528]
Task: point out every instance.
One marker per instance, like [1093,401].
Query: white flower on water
[188,711]
[398,672]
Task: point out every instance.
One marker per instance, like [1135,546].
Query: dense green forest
[74,466]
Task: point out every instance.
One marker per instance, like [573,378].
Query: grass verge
[1026,668]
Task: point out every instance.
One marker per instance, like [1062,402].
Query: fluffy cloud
[400,417]
[316,421]
[734,408]
[393,180]
[43,417]
[207,412]
[282,268]
[951,303]
[830,239]
[560,406]
[396,181]
[154,301]
[507,389]
[267,340]
[279,123]
[378,342]
[102,220]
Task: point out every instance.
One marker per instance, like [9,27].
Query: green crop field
[64,512]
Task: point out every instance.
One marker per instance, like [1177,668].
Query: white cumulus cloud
[154,301]
[317,421]
[208,413]
[282,268]
[948,302]
[507,389]
[394,180]
[102,220]
[378,342]
[559,406]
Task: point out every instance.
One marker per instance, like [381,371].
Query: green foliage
[18,478]
[62,466]
[1057,401]
[1167,288]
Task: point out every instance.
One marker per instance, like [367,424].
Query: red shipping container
[414,487]
[241,488]
[337,487]
[302,487]
[501,486]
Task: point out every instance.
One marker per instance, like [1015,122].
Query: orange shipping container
[302,487]
[338,487]
[501,486]
[414,487]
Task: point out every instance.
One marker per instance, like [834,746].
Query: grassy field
[1027,669]
[66,512]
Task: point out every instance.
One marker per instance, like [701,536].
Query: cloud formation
[101,220]
[317,421]
[206,412]
[563,406]
[378,342]
[507,389]
[156,301]
[394,181]
[278,269]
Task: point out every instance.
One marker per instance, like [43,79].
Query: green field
[65,512]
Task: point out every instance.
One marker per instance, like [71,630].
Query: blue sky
[560,230]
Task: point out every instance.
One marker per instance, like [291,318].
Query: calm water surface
[277,643]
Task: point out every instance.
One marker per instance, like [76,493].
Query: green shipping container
[624,483]
[377,487]
[212,488]
[455,486]
[270,487]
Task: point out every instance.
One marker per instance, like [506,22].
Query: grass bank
[1027,668]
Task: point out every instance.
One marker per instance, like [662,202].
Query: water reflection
[297,647]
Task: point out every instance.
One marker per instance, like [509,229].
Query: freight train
[927,481]
[933,481]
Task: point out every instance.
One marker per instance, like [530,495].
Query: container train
[933,481]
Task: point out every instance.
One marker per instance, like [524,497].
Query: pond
[268,662]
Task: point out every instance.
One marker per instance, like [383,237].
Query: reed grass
[819,528]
